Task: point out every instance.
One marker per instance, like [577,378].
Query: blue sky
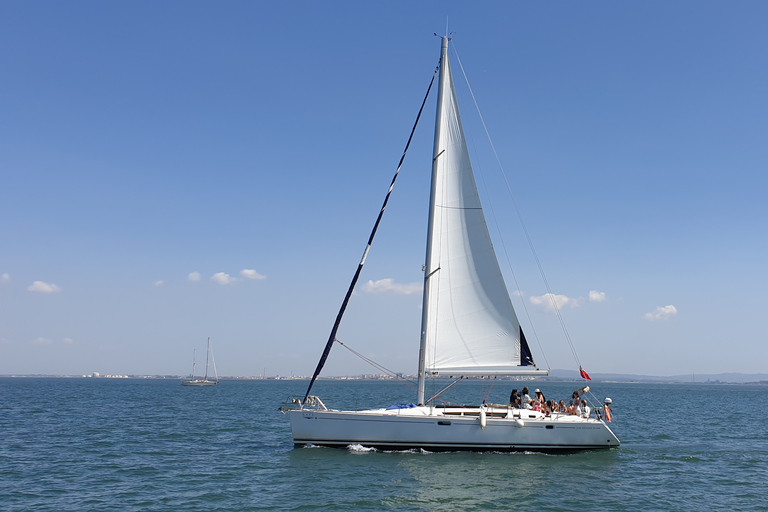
[250,144]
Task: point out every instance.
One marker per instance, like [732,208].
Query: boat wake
[358,448]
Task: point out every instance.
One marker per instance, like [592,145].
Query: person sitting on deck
[585,410]
[525,399]
[561,406]
[539,396]
[514,399]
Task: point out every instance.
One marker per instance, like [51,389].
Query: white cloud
[41,341]
[67,341]
[5,278]
[157,283]
[662,313]
[222,278]
[251,274]
[41,287]
[595,296]
[194,276]
[389,285]
[561,301]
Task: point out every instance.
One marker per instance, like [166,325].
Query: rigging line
[487,394]
[372,362]
[520,217]
[336,324]
[389,372]
[443,390]
[597,400]
[215,371]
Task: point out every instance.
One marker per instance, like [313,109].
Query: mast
[428,270]
[207,353]
[213,359]
[194,355]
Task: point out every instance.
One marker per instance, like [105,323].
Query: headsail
[469,326]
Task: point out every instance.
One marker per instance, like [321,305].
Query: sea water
[154,445]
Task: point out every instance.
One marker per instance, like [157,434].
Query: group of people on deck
[575,407]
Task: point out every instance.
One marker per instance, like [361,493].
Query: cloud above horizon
[194,276]
[595,296]
[251,274]
[5,278]
[389,285]
[549,301]
[661,313]
[42,287]
[223,278]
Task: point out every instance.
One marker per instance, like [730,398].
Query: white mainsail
[469,327]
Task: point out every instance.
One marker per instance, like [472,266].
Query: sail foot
[488,371]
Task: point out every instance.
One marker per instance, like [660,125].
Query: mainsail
[469,327]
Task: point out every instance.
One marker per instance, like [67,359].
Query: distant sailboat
[469,329]
[204,381]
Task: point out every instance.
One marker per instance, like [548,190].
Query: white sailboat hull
[199,382]
[446,429]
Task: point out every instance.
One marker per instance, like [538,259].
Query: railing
[294,403]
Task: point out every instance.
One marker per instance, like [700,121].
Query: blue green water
[154,445]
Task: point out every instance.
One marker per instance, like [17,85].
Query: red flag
[584,375]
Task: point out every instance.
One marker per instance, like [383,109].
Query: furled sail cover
[469,325]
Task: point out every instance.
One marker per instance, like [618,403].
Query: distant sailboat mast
[207,353]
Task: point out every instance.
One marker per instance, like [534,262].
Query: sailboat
[469,329]
[204,381]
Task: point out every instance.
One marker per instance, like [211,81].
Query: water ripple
[83,444]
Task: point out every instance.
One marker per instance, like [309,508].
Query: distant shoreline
[555,376]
